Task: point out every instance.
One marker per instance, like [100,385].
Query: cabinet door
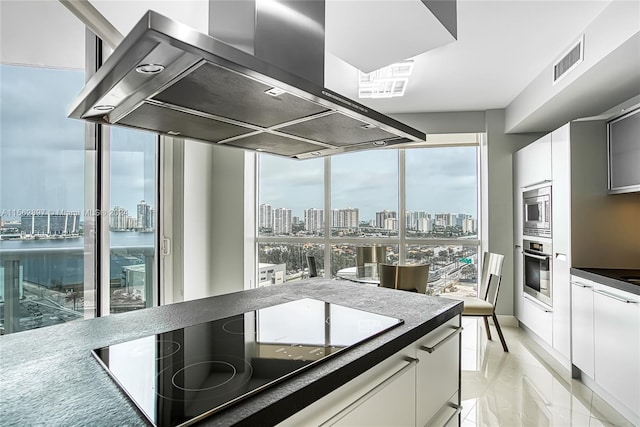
[560,231]
[536,162]
[561,295]
[391,405]
[438,372]
[582,325]
[617,344]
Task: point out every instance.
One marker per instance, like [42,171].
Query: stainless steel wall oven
[537,270]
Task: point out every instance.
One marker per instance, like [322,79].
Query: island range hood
[257,85]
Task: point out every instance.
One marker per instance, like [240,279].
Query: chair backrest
[493,288]
[311,263]
[369,255]
[387,275]
[405,277]
[491,265]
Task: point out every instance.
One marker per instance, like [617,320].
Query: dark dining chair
[311,264]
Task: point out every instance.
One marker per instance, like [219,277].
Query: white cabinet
[536,165]
[438,374]
[538,318]
[617,344]
[389,402]
[411,388]
[561,237]
[606,342]
[582,347]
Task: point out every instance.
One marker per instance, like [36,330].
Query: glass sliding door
[132,220]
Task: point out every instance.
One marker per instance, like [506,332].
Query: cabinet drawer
[538,318]
[383,395]
[437,371]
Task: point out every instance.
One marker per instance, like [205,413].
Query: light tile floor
[524,387]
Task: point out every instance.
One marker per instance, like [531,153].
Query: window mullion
[402,207]
[327,217]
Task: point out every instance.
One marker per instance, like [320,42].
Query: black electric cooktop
[182,376]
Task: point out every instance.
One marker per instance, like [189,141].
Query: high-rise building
[425,225]
[382,216]
[445,219]
[345,218]
[145,216]
[118,218]
[314,220]
[282,221]
[469,225]
[265,217]
[391,224]
[413,219]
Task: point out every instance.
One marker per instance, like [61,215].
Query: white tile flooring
[523,387]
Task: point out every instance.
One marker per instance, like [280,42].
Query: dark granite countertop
[615,278]
[49,377]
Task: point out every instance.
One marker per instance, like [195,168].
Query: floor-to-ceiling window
[42,190]
[77,213]
[420,204]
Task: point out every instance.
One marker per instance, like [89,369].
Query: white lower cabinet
[437,380]
[538,318]
[606,342]
[617,344]
[407,389]
[582,347]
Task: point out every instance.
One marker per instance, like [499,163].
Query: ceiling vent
[569,60]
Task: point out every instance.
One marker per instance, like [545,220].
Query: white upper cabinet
[535,166]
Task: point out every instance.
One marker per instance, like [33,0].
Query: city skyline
[440,179]
[272,208]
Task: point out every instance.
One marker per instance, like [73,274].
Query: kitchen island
[49,377]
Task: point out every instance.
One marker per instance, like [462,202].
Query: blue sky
[42,157]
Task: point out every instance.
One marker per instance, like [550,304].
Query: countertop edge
[289,405]
[600,276]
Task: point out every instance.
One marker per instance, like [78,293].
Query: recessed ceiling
[502,46]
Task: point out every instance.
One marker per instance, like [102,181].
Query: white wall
[609,73]
[198,220]
[498,198]
[55,37]
[40,33]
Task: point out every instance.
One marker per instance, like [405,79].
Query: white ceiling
[501,48]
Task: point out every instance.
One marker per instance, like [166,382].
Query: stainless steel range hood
[211,91]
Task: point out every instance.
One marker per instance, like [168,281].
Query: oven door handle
[543,258]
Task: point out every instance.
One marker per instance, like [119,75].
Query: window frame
[400,240]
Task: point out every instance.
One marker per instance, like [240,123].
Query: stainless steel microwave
[537,212]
